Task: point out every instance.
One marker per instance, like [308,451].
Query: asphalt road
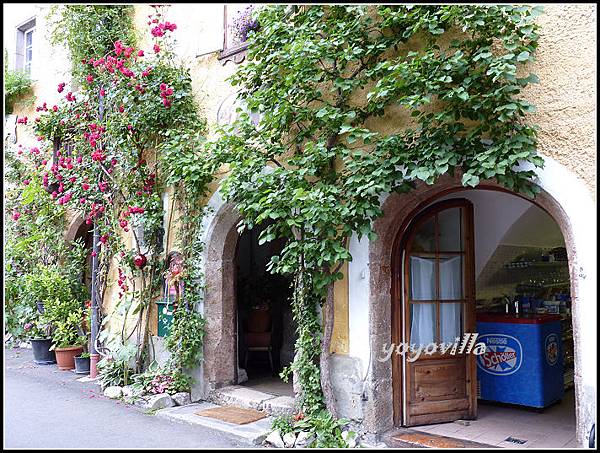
[48,408]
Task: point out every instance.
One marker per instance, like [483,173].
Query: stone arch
[219,306]
[74,225]
[569,204]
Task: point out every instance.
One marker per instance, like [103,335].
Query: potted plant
[82,363]
[68,341]
[41,342]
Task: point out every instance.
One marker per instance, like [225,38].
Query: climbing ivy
[359,101]
[89,30]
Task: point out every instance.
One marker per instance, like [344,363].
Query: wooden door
[438,307]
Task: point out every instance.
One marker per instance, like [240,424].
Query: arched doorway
[514,259]
[222,365]
[265,328]
[84,233]
[382,411]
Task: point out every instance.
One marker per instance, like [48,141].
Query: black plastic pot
[82,365]
[42,355]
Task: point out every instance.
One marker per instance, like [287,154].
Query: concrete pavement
[48,408]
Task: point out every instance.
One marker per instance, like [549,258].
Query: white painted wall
[199,28]
[493,214]
[50,64]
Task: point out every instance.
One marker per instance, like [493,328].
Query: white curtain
[422,275]
[422,278]
[450,289]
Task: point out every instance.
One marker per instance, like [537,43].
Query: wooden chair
[258,336]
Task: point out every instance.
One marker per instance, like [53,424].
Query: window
[25,43]
[28,49]
[237,22]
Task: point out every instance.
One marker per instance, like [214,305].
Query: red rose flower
[140,261]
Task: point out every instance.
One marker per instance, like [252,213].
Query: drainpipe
[94,356]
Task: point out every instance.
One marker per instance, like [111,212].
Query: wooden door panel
[438,388]
[436,407]
[437,416]
[438,380]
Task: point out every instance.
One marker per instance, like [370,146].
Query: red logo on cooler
[494,358]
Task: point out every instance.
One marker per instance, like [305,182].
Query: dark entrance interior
[85,234]
[266,331]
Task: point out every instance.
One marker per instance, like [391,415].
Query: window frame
[26,28]
[28,47]
[236,53]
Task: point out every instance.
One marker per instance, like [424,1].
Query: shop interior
[522,276]
[266,329]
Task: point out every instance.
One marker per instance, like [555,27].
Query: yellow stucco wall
[565,97]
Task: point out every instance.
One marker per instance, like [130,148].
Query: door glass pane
[451,322]
[29,55]
[450,227]
[424,237]
[451,277]
[422,278]
[28,38]
[422,324]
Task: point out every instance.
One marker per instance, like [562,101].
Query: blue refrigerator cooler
[523,362]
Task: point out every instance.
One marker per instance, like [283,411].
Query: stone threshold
[406,438]
[250,433]
[240,396]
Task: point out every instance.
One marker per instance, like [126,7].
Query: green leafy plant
[16,85]
[49,286]
[84,355]
[283,424]
[325,430]
[185,339]
[38,329]
[115,369]
[68,332]
[114,372]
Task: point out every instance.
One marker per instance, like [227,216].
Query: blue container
[523,359]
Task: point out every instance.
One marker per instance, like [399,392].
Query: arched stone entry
[398,211]
[220,365]
[220,362]
[78,229]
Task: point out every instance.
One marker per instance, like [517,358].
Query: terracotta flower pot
[65,357]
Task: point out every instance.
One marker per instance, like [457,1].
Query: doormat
[232,414]
[422,439]
[514,440]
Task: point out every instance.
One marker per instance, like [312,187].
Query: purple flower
[244,24]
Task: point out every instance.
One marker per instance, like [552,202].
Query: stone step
[240,396]
[251,433]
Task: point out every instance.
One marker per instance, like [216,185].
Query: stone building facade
[566,109]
